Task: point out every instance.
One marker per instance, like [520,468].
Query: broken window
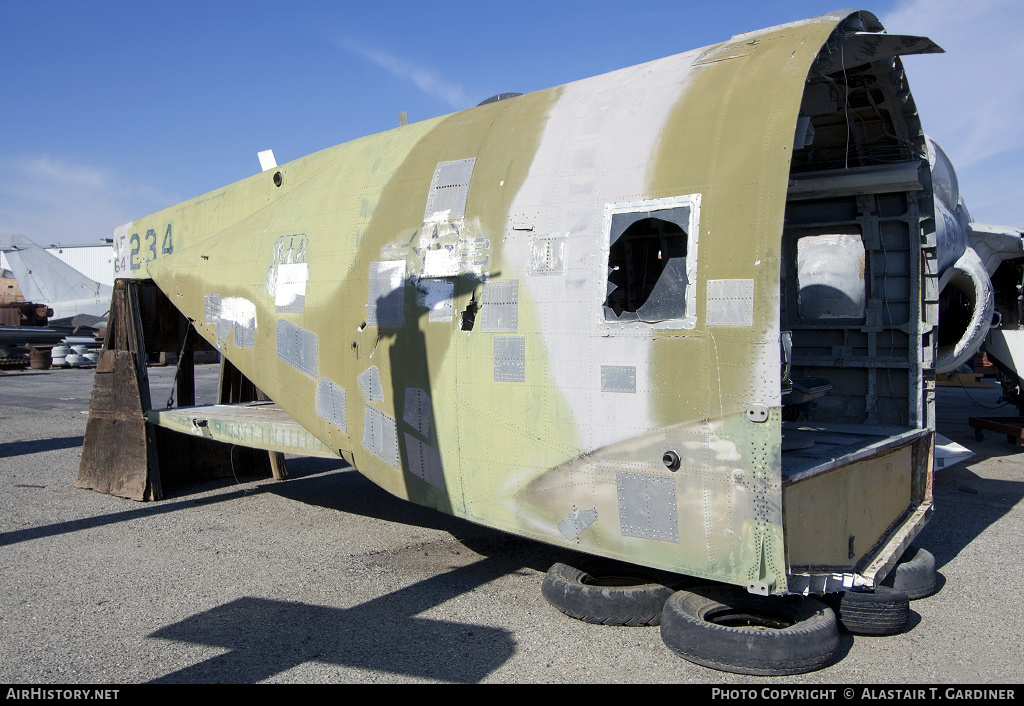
[647,266]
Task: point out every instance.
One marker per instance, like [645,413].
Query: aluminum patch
[241,313]
[290,291]
[380,435]
[425,462]
[510,358]
[618,378]
[369,383]
[212,306]
[417,410]
[730,302]
[547,255]
[647,506]
[297,347]
[500,307]
[385,300]
[436,295]
[573,525]
[449,189]
[330,403]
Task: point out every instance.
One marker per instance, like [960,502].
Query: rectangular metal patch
[510,358]
[547,255]
[618,378]
[647,506]
[730,302]
[500,307]
[245,336]
[369,383]
[425,462]
[449,190]
[212,306]
[385,299]
[297,347]
[330,403]
[417,410]
[380,435]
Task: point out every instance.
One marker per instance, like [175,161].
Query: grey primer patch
[212,306]
[330,403]
[647,506]
[385,300]
[297,347]
[380,435]
[369,383]
[573,525]
[224,328]
[618,378]
[425,462]
[436,295]
[547,255]
[449,189]
[417,410]
[730,302]
[500,306]
[510,358]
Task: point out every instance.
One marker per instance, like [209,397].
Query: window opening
[647,270]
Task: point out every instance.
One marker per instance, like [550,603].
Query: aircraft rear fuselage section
[557,315]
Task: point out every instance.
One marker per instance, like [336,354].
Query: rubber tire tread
[565,587]
[914,574]
[885,611]
[810,643]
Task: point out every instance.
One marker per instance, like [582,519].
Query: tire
[608,592]
[914,574]
[726,628]
[884,611]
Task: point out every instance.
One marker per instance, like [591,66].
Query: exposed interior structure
[859,301]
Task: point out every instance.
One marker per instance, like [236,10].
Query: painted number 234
[147,245]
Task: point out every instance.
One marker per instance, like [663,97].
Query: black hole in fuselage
[637,259]
[278,179]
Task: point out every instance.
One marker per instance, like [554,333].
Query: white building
[94,261]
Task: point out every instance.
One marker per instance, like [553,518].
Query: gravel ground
[326,578]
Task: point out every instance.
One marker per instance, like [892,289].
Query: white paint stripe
[601,137]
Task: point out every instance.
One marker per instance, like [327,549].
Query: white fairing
[969,255]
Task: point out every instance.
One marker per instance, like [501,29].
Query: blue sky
[114,110]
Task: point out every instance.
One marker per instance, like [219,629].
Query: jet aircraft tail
[46,279]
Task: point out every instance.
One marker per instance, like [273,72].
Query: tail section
[45,279]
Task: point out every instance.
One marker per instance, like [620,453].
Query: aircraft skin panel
[470,341]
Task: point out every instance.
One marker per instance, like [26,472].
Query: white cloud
[46,169]
[58,201]
[970,99]
[425,79]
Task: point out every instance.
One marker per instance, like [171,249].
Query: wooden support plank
[122,454]
[119,454]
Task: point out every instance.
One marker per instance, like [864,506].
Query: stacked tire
[725,627]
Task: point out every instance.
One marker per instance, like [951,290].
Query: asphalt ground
[325,578]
